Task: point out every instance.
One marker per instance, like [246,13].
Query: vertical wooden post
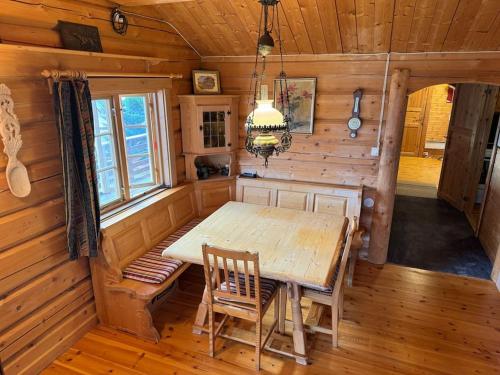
[388,167]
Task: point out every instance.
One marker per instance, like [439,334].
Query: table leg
[299,336]
[314,316]
[201,314]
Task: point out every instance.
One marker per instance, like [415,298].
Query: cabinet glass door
[214,129]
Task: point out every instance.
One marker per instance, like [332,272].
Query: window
[127,146]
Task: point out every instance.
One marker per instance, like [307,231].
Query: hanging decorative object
[264,120]
[10,131]
[119,21]
[354,123]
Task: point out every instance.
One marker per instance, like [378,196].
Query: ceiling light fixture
[264,119]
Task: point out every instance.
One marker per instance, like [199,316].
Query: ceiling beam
[136,3]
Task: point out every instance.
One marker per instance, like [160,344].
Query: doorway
[446,158]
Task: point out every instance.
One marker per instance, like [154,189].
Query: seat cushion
[152,267]
[267,287]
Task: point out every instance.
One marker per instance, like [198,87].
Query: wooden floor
[418,177]
[397,320]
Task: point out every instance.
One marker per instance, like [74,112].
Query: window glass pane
[105,152]
[137,140]
[137,129]
[139,170]
[101,109]
[134,111]
[109,190]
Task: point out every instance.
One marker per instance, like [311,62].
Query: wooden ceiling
[229,27]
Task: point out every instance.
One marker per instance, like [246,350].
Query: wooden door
[471,208]
[414,133]
[465,140]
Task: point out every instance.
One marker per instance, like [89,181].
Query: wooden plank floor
[397,320]
[418,177]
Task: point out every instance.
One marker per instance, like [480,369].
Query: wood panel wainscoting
[212,194]
[126,304]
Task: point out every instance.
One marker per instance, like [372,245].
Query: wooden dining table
[295,247]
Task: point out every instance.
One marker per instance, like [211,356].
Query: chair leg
[258,340]
[341,304]
[335,327]
[282,308]
[352,265]
[211,332]
[277,306]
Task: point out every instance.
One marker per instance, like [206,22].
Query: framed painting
[302,97]
[206,82]
[79,37]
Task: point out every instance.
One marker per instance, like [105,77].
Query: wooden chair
[331,297]
[237,294]
[334,295]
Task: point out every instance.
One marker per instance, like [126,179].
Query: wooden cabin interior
[221,187]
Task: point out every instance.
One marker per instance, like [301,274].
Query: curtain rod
[56,74]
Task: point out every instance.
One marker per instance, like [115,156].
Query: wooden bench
[325,198]
[126,304]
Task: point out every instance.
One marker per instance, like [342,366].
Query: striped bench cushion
[152,267]
[267,287]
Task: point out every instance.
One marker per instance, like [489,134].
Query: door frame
[389,158]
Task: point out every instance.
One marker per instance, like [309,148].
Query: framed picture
[302,97]
[206,82]
[79,37]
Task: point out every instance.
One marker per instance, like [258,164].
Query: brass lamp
[264,119]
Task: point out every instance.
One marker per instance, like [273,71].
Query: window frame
[160,132]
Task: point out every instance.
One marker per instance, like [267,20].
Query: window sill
[123,212]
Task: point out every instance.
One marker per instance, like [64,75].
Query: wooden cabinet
[209,123]
[210,139]
[209,132]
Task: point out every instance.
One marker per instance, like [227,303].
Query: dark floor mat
[432,235]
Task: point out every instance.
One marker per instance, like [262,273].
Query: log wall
[46,301]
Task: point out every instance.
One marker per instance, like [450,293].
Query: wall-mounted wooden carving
[10,131]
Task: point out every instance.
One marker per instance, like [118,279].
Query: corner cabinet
[209,123]
[210,143]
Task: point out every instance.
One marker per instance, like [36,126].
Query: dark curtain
[73,108]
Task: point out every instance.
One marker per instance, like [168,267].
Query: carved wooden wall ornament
[10,131]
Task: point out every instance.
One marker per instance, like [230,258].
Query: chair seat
[267,287]
[152,267]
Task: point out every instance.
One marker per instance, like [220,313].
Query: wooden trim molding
[388,167]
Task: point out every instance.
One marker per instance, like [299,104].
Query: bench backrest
[333,199]
[130,234]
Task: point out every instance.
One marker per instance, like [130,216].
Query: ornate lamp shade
[265,120]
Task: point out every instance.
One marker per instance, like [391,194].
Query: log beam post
[388,167]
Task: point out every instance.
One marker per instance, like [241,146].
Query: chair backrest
[243,264]
[344,257]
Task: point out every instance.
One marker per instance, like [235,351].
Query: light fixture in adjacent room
[267,122]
